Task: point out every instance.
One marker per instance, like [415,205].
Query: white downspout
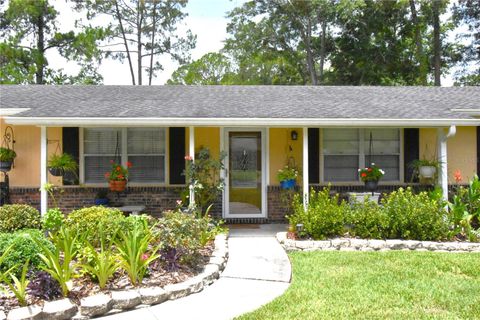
[191,153]
[43,170]
[305,168]
[442,157]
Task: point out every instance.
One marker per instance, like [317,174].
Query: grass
[379,285]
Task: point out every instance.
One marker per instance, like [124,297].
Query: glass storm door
[245,174]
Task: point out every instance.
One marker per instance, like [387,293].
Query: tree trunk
[40,59]
[422,63]
[154,25]
[122,30]
[140,12]
[437,46]
[322,48]
[310,61]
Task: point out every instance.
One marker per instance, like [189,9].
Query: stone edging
[125,300]
[351,244]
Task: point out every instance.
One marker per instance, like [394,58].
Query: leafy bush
[182,235]
[25,247]
[87,221]
[465,211]
[414,216]
[324,217]
[53,220]
[367,220]
[18,216]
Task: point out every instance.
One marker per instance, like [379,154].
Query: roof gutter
[237,122]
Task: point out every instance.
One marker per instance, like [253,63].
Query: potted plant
[6,158]
[287,177]
[370,176]
[59,164]
[101,198]
[118,176]
[425,168]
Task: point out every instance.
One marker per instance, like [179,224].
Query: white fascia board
[11,111]
[237,122]
[471,112]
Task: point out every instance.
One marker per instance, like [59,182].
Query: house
[328,132]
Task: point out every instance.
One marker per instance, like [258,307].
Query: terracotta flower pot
[117,186]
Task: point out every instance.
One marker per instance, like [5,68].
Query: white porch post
[191,153]
[305,168]
[442,158]
[43,170]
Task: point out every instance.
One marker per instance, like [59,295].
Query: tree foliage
[29,29]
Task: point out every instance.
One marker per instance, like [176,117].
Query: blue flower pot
[288,184]
[101,202]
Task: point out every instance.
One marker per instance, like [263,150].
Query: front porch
[254,155]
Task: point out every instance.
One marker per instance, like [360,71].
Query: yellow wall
[26,171]
[280,153]
[461,150]
[208,137]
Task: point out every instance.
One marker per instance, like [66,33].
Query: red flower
[369,169]
[107,175]
[129,164]
[120,176]
[119,168]
[458,176]
[363,174]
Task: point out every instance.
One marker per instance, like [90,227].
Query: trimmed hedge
[14,217]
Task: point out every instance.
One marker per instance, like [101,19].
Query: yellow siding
[208,137]
[461,150]
[26,171]
[280,153]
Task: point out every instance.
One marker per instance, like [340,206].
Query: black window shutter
[313,155]
[177,155]
[411,151]
[71,145]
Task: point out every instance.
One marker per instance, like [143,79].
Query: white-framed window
[344,151]
[143,147]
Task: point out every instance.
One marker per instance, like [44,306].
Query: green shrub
[53,220]
[414,216]
[18,216]
[87,221]
[24,248]
[324,217]
[185,234]
[367,220]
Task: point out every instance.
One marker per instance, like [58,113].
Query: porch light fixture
[294,135]
[299,227]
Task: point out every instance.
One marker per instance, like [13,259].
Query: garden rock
[154,295]
[178,290]
[340,243]
[96,305]
[396,244]
[210,273]
[125,299]
[3,316]
[377,244]
[322,244]
[30,312]
[218,261]
[59,310]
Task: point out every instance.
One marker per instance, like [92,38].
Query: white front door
[245,174]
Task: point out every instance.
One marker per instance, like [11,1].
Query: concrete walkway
[258,271]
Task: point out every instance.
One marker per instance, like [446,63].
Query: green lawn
[379,285]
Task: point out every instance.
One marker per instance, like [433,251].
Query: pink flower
[145,256]
[179,202]
[188,157]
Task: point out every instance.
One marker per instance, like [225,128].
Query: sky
[206,19]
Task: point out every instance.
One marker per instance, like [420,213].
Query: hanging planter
[59,164]
[117,185]
[6,159]
[371,185]
[288,184]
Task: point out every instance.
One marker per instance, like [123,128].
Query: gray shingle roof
[275,102]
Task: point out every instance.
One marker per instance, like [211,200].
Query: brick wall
[155,199]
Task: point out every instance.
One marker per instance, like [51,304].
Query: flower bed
[97,260]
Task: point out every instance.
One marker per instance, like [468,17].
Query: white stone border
[351,244]
[103,304]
